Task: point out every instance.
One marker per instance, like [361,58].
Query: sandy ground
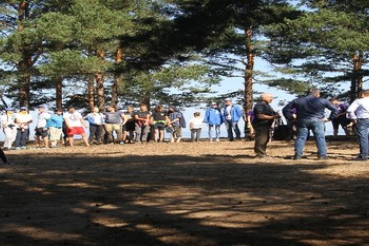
[184,194]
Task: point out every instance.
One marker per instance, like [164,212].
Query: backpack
[182,121]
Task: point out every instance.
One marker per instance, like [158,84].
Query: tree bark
[357,78]
[99,77]
[117,79]
[91,94]
[59,91]
[248,73]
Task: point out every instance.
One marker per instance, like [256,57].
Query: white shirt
[196,123]
[74,120]
[42,119]
[359,109]
[23,120]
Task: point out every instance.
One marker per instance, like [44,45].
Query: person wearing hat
[9,128]
[41,128]
[213,117]
[23,119]
[232,114]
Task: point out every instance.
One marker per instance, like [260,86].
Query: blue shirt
[310,107]
[55,121]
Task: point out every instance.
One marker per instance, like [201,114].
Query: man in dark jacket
[310,114]
[264,116]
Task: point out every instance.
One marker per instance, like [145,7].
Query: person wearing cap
[41,131]
[55,126]
[310,115]
[264,116]
[75,126]
[9,128]
[213,117]
[23,119]
[232,114]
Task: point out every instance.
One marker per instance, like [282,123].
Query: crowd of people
[304,115]
[113,126]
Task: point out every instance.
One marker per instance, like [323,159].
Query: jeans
[362,131]
[317,126]
[233,126]
[217,131]
[21,138]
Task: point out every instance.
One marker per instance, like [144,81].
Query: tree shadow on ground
[179,200]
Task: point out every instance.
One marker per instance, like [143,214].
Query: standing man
[310,115]
[264,116]
[75,125]
[341,118]
[23,119]
[232,114]
[41,131]
[213,117]
[96,120]
[359,113]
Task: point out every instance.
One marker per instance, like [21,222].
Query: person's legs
[98,134]
[237,130]
[93,129]
[361,128]
[84,138]
[193,135]
[318,128]
[302,133]
[217,132]
[18,138]
[210,132]
[198,133]
[261,141]
[229,129]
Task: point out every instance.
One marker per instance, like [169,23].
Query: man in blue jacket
[232,114]
[213,117]
[310,114]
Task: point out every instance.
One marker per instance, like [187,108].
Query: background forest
[170,52]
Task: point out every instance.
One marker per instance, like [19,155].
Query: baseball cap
[23,108]
[227,99]
[9,109]
[42,106]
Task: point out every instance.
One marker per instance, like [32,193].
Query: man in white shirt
[75,125]
[41,128]
[359,114]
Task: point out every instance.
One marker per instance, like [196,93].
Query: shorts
[41,132]
[129,126]
[55,133]
[159,126]
[75,131]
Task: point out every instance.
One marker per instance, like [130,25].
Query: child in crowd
[195,127]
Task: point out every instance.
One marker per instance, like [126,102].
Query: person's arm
[287,111]
[83,122]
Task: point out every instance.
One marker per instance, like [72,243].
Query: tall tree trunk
[59,91]
[248,73]
[99,77]
[357,77]
[100,91]
[117,79]
[24,65]
[91,94]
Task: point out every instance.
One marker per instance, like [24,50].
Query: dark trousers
[3,157]
[95,133]
[21,138]
[261,139]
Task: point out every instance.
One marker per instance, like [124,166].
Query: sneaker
[17,148]
[297,157]
[323,157]
[217,139]
[23,147]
